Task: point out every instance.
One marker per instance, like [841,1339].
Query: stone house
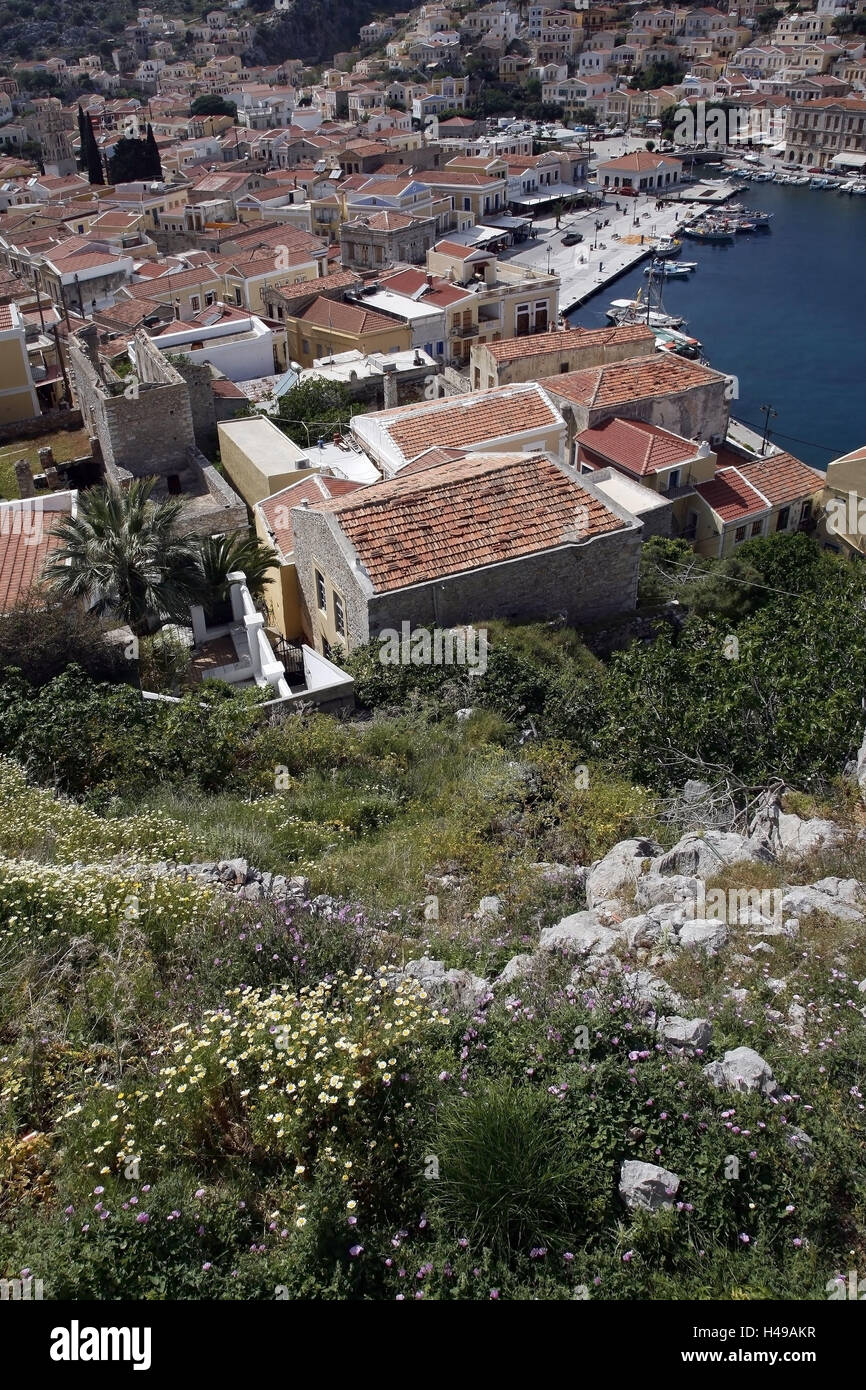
[484,536]
[687,398]
[272,517]
[556,351]
[381,239]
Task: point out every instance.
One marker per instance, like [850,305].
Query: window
[739,534]
[339,615]
[757,528]
[209,297]
[673,479]
[321,592]
[194,303]
[239,299]
[783,518]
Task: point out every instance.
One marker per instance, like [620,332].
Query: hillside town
[354,227]
[310,386]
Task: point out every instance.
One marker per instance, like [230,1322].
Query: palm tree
[123,554]
[220,556]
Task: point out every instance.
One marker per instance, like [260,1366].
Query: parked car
[572,238]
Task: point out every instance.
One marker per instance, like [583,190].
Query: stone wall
[583,583]
[147,431]
[45,423]
[199,378]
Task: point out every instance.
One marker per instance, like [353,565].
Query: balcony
[465,330]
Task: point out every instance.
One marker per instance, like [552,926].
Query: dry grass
[66,444]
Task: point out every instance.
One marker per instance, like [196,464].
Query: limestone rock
[646,1186]
[703,935]
[651,993]
[686,1035]
[578,934]
[707,853]
[743,1069]
[800,837]
[619,869]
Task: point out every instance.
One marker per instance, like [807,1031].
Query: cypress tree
[82,139]
[94,158]
[154,163]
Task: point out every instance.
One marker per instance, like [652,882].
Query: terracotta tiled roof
[431,458]
[641,162]
[634,379]
[731,497]
[513,349]
[5,318]
[782,478]
[461,421]
[460,251]
[464,177]
[341,279]
[637,447]
[481,510]
[276,509]
[22,558]
[346,318]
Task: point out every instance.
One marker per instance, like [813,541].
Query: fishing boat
[820,183]
[765,177]
[680,344]
[758,221]
[668,246]
[710,232]
[671,270]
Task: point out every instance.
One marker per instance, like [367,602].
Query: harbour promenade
[608,251]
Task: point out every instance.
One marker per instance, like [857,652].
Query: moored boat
[671,270]
[668,246]
[710,231]
[637,311]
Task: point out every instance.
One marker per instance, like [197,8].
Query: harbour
[772,313]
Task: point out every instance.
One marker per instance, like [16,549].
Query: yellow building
[843,504]
[328,327]
[258,458]
[273,523]
[18,399]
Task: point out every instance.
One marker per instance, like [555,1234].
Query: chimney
[429,279]
[389,384]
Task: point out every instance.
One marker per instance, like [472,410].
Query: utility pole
[769,413]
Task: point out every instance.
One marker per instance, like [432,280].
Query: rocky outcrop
[451,988]
[619,869]
[706,852]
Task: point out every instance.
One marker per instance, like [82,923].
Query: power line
[810,443]
[729,579]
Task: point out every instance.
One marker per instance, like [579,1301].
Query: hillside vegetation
[206,1092]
